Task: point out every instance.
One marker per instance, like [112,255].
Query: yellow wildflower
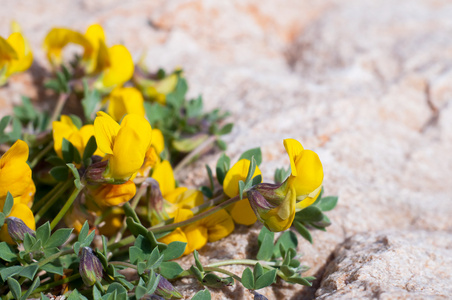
[275,205]
[15,55]
[163,173]
[113,222]
[241,211]
[66,129]
[112,194]
[123,101]
[22,212]
[15,174]
[125,145]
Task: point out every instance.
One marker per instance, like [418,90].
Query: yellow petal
[163,173]
[293,148]
[7,52]
[113,194]
[121,67]
[105,131]
[158,142]
[176,236]
[242,213]
[280,218]
[182,214]
[58,38]
[15,174]
[124,101]
[94,34]
[238,172]
[27,196]
[130,147]
[308,200]
[86,132]
[196,237]
[24,55]
[309,173]
[62,129]
[190,198]
[219,225]
[22,212]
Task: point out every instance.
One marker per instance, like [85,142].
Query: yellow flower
[15,174]
[157,90]
[15,55]
[275,205]
[241,211]
[125,145]
[114,64]
[22,212]
[113,222]
[65,129]
[163,173]
[112,194]
[28,195]
[76,217]
[196,235]
[123,101]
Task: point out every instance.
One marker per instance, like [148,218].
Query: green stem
[195,218]
[45,287]
[158,229]
[124,264]
[41,154]
[58,108]
[187,159]
[242,262]
[220,270]
[50,199]
[66,207]
[54,256]
[210,203]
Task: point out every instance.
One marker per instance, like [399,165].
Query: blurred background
[365,84]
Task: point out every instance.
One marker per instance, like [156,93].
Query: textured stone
[365,84]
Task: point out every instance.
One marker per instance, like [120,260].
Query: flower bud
[155,196]
[94,175]
[17,229]
[166,289]
[90,267]
[258,296]
[274,205]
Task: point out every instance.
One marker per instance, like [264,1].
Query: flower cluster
[110,173]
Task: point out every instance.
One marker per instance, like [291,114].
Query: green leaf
[74,171]
[225,129]
[309,214]
[304,232]
[60,173]
[90,148]
[221,144]
[156,112]
[281,174]
[75,295]
[202,295]
[58,238]
[248,279]
[256,180]
[121,292]
[10,271]
[194,107]
[90,101]
[256,152]
[96,293]
[55,161]
[258,271]
[16,133]
[196,272]
[89,239]
[4,123]
[53,268]
[8,204]
[29,271]
[327,203]
[30,290]
[223,165]
[76,121]
[2,219]
[265,280]
[251,171]
[43,232]
[174,250]
[44,297]
[300,280]
[140,291]
[288,239]
[170,269]
[7,253]
[189,144]
[14,286]
[241,188]
[266,248]
[83,232]
[197,261]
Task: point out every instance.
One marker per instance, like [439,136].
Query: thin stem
[124,264]
[41,154]
[220,270]
[187,159]
[66,207]
[210,203]
[58,108]
[195,218]
[55,193]
[158,229]
[241,262]
[55,256]
[43,288]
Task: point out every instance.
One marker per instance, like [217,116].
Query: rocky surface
[366,84]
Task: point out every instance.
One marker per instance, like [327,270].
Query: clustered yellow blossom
[114,65]
[15,178]
[15,54]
